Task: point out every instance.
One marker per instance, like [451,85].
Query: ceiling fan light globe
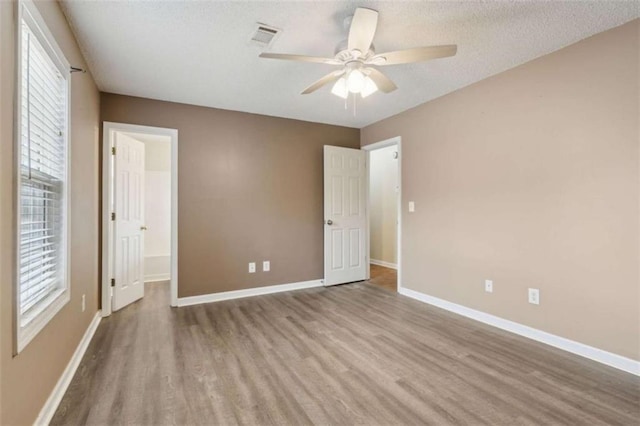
[369,87]
[355,81]
[340,88]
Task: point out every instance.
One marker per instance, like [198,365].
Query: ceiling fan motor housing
[342,52]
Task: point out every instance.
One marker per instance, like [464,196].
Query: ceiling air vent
[264,35]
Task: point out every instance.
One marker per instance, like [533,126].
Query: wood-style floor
[384,277]
[351,354]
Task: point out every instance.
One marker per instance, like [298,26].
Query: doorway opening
[139,213]
[384,212]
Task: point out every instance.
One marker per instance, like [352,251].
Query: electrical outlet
[252,267]
[84,305]
[412,206]
[488,286]
[534,296]
[266,266]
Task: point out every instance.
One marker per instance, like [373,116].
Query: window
[42,171]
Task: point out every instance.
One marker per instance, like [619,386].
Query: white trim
[41,317]
[157,280]
[24,333]
[577,348]
[152,278]
[383,263]
[109,129]
[371,147]
[51,405]
[49,43]
[249,292]
[154,275]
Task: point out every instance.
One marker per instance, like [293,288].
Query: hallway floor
[383,277]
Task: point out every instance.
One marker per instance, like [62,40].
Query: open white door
[129,221]
[345,219]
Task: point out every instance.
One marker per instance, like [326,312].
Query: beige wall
[383,204]
[250,189]
[531,178]
[28,378]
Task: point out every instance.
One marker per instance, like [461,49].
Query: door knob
[329,222]
[143,228]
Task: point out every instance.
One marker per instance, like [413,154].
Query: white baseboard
[156,277]
[383,263]
[157,267]
[577,348]
[237,294]
[50,407]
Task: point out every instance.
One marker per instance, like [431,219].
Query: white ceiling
[197,52]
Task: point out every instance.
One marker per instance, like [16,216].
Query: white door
[129,221]
[345,219]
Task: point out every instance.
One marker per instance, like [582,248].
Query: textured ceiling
[197,52]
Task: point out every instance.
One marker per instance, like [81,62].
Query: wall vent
[264,35]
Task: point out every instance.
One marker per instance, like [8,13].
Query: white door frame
[397,141]
[109,129]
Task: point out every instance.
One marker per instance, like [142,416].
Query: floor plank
[351,354]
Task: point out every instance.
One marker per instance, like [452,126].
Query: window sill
[35,321]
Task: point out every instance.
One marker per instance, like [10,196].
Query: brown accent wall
[28,378]
[531,178]
[250,189]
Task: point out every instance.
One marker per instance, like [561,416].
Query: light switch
[534,296]
[266,266]
[412,206]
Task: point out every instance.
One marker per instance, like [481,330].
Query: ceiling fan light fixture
[357,58]
[355,81]
[369,87]
[340,88]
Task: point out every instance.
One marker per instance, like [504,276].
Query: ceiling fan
[357,58]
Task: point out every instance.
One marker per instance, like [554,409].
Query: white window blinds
[43,178]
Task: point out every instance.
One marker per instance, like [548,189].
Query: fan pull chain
[355,101]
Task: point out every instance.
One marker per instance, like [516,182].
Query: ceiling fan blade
[383,82]
[301,58]
[363,28]
[329,78]
[417,54]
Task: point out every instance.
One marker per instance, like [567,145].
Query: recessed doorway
[139,213]
[384,201]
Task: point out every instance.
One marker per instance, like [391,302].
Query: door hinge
[113,216]
[113,150]
[113,282]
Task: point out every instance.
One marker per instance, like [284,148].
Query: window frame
[28,325]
